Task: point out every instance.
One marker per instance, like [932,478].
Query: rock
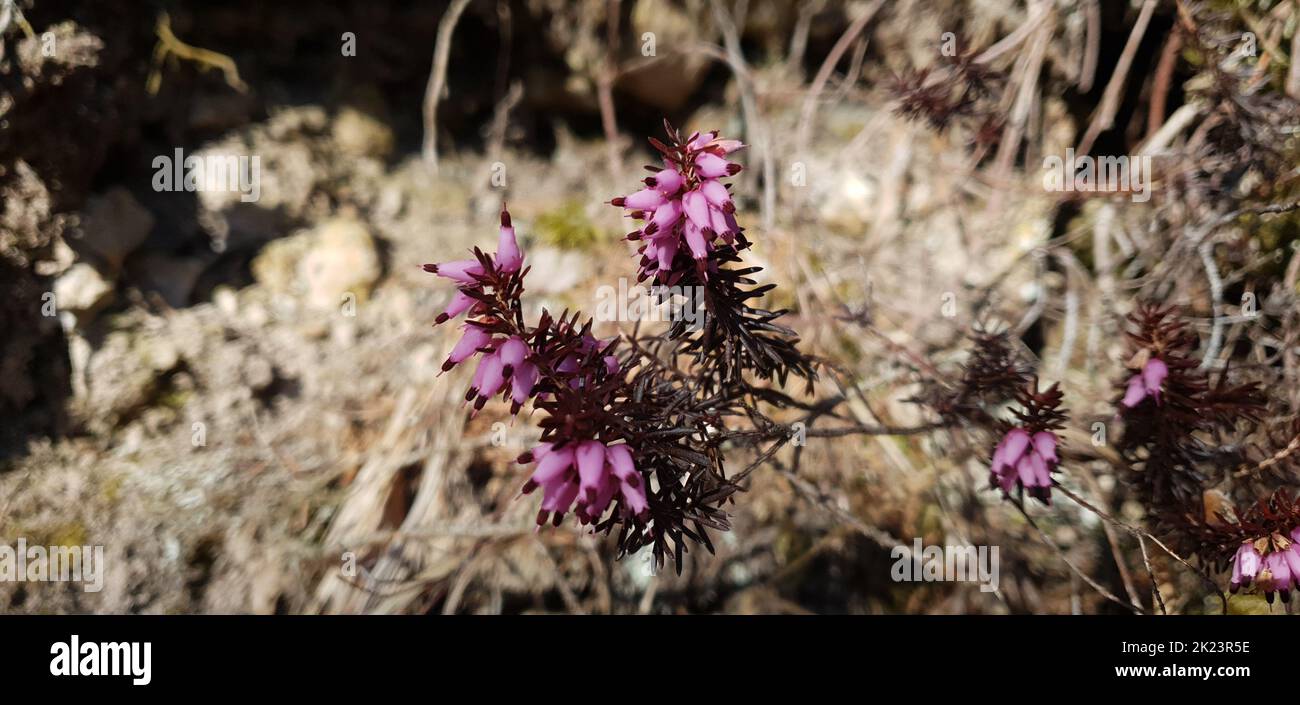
[61,258]
[359,134]
[172,277]
[288,170]
[28,221]
[113,225]
[82,290]
[276,266]
[123,376]
[342,260]
[257,372]
[226,300]
[321,265]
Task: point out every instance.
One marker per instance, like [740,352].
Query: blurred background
[241,400]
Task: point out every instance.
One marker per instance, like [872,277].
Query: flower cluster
[628,439]
[560,365]
[590,473]
[1271,563]
[1026,456]
[684,207]
[1146,383]
[470,274]
[505,365]
[1027,460]
[1167,440]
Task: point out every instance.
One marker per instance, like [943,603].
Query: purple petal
[1016,440]
[1135,393]
[697,208]
[1045,444]
[521,386]
[1153,376]
[508,258]
[591,465]
[473,339]
[645,200]
[668,181]
[552,465]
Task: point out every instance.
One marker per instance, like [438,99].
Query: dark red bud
[618,202]
[733,169]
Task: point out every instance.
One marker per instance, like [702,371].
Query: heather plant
[633,428]
[636,429]
[641,432]
[1197,439]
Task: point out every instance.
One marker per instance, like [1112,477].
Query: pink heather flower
[467,273]
[1276,571]
[1245,566]
[1025,460]
[507,369]
[1276,575]
[685,206]
[1146,383]
[585,476]
[508,257]
[475,337]
[461,271]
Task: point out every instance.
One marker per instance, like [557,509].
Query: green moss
[1243,604]
[568,226]
[72,533]
[175,399]
[111,488]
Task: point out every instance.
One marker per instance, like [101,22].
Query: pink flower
[508,257]
[1146,383]
[585,476]
[685,207]
[507,369]
[474,338]
[1275,571]
[1025,460]
[1245,566]
[469,274]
